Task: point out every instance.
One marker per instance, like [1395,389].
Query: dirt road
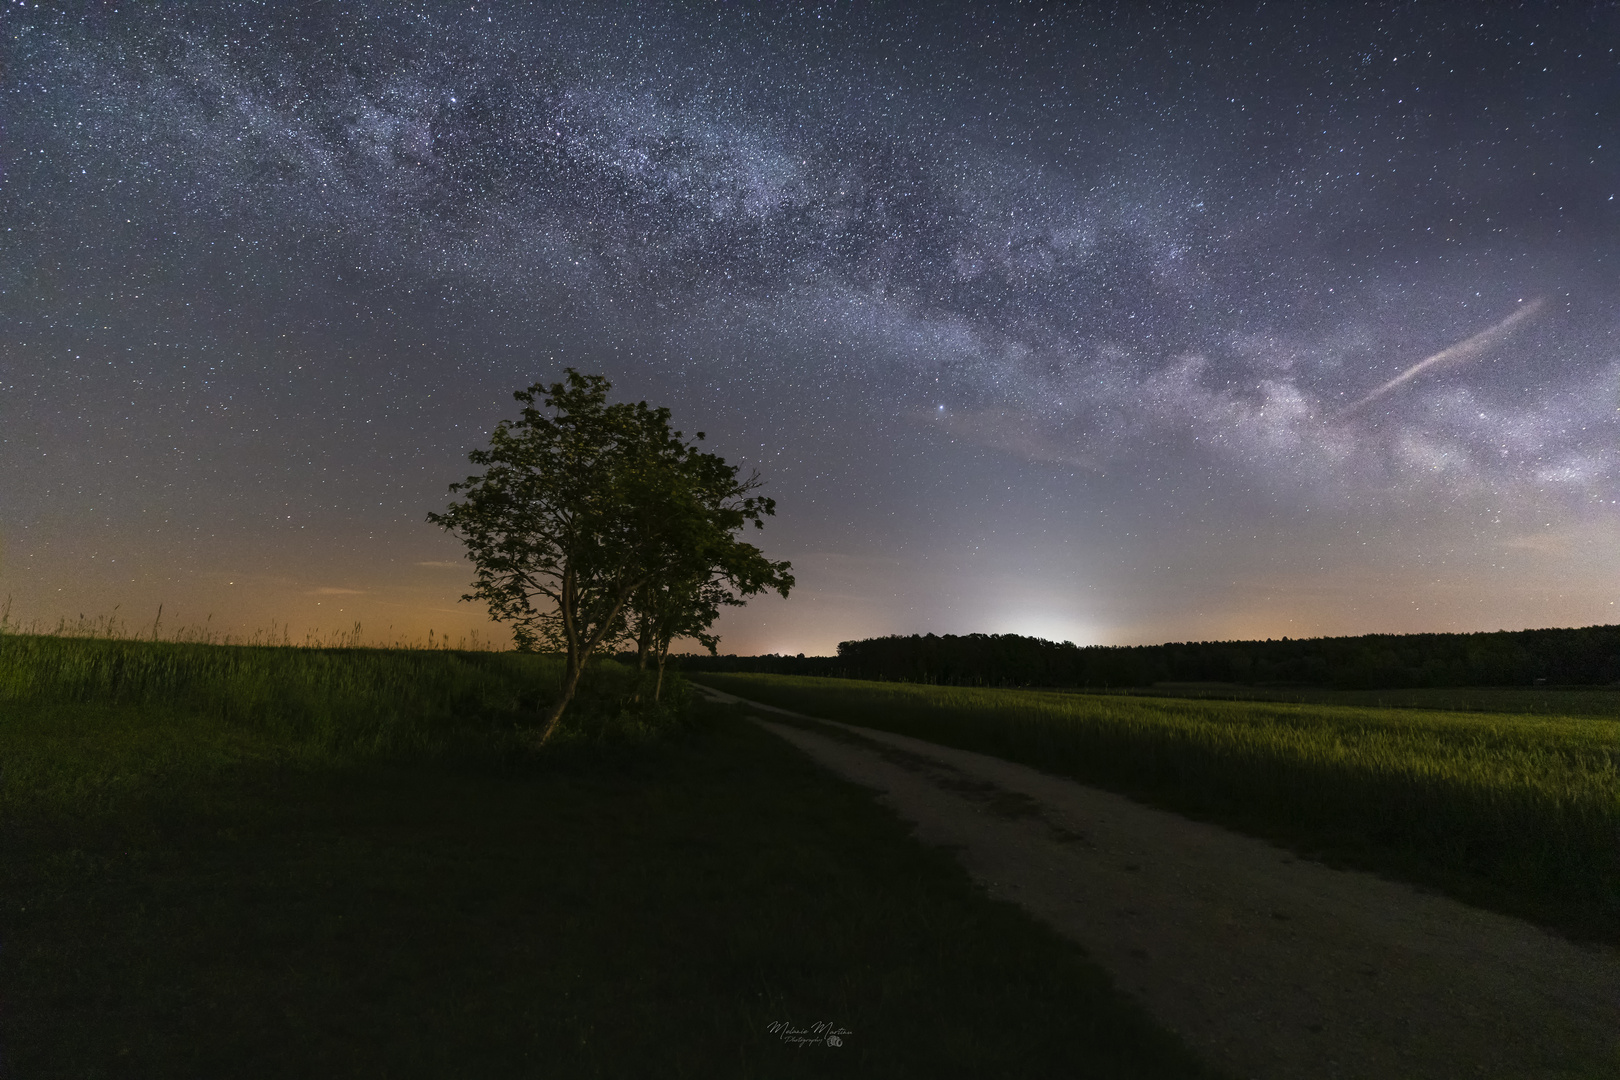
[1272,966]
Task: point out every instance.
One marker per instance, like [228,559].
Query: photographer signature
[821,1033]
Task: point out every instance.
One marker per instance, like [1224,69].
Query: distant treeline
[1588,656]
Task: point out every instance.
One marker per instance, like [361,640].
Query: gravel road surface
[1273,967]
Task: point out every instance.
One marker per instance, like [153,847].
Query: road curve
[1273,967]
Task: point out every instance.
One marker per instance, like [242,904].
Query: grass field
[1603,702]
[283,862]
[92,722]
[1520,813]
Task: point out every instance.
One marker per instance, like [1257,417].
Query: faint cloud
[1012,432]
[839,559]
[1547,543]
[335,592]
[440,564]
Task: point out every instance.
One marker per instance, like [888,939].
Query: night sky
[1086,322]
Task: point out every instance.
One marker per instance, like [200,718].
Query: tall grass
[1565,701]
[119,627]
[1521,812]
[85,721]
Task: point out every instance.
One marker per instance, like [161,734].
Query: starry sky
[1106,323]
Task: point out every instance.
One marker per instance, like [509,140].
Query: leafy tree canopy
[584,505]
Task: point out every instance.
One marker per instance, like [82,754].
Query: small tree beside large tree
[585,505]
[686,602]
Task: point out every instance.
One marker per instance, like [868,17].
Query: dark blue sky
[1061,321]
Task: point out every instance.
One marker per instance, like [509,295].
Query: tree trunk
[571,665]
[658,689]
[643,647]
[643,643]
[578,653]
[570,684]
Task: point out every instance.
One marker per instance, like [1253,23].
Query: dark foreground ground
[638,911]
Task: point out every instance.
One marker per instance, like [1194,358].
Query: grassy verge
[272,895]
[1599,702]
[1517,813]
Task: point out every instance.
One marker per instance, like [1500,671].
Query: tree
[687,602]
[582,504]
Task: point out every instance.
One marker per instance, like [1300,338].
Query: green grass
[1514,812]
[89,722]
[367,875]
[1529,701]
